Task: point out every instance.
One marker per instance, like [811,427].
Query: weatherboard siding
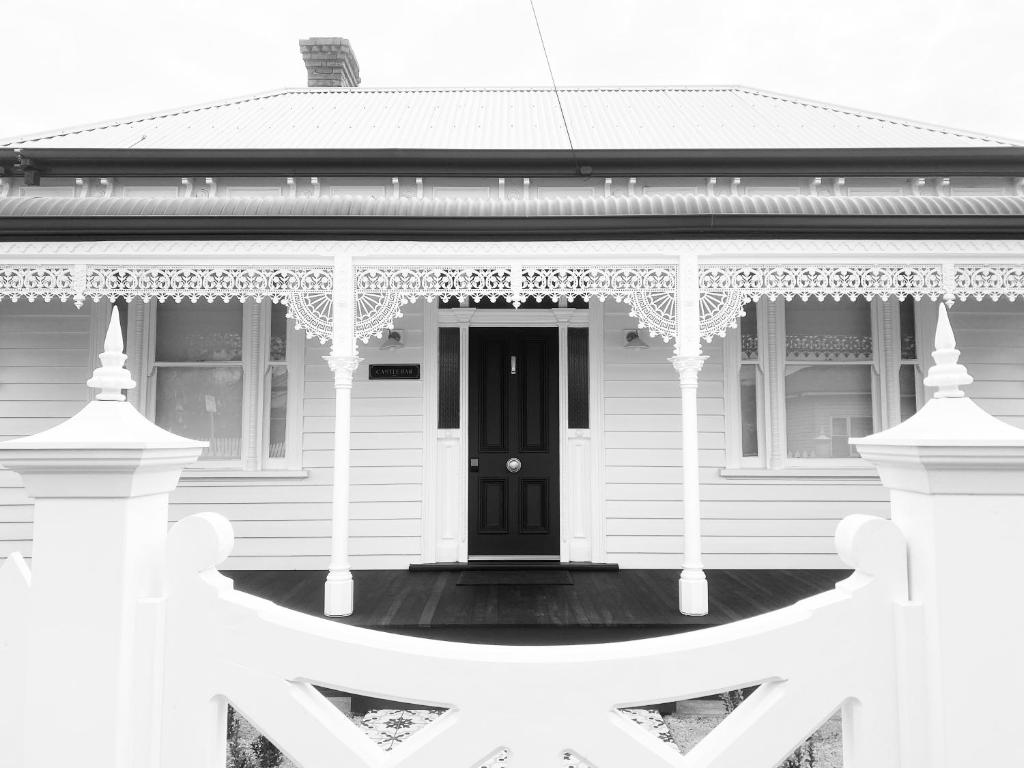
[747,522]
[44,363]
[287,524]
[990,335]
[279,523]
[45,358]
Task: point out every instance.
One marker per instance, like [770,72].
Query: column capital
[563,315]
[688,367]
[463,315]
[344,367]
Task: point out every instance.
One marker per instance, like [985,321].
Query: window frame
[256,368]
[770,367]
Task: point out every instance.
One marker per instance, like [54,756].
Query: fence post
[100,483]
[956,479]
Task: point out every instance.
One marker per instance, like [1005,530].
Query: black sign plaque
[409,371]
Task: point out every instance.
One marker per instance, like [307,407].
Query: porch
[652,473]
[597,606]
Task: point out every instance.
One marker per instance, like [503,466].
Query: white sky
[951,62]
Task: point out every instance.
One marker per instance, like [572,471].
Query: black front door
[513,442]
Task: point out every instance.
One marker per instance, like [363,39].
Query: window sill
[213,476]
[806,473]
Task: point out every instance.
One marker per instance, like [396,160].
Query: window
[230,374]
[805,377]
[750,386]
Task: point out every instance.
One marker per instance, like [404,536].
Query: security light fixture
[393,340]
[634,340]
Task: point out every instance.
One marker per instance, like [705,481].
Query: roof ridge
[506,88]
[880,116]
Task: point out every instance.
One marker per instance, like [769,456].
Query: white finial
[946,374]
[111,377]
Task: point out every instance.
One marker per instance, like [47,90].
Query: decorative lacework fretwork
[209,283]
[813,280]
[830,346]
[34,282]
[650,290]
[436,282]
[380,292]
[726,288]
[602,282]
[988,281]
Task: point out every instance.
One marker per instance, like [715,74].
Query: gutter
[1005,161]
[750,226]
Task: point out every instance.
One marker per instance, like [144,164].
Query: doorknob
[513,465]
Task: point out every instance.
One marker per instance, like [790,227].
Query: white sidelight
[956,477]
[693,585]
[100,483]
[338,591]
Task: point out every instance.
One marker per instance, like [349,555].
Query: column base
[693,593]
[447,551]
[579,551]
[339,595]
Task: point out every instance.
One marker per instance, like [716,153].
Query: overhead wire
[554,86]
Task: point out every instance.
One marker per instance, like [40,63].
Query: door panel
[513,413]
[534,506]
[493,506]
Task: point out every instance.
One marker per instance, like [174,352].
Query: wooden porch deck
[599,606]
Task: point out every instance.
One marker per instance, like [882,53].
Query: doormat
[515,578]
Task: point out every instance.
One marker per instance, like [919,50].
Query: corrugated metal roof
[720,117]
[640,205]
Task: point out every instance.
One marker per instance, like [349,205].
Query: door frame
[445,519]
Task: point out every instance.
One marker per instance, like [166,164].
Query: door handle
[513,465]
[474,465]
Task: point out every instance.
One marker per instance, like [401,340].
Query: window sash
[258,369]
[771,386]
[206,460]
[759,391]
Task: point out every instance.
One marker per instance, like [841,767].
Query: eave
[977,161]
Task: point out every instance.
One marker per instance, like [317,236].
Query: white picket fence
[125,645]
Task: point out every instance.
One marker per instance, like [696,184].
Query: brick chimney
[330,62]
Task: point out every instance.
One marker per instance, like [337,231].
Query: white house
[415,327]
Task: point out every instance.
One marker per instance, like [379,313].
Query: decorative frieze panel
[32,282]
[436,282]
[601,282]
[805,281]
[650,290]
[380,292]
[209,283]
[988,281]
